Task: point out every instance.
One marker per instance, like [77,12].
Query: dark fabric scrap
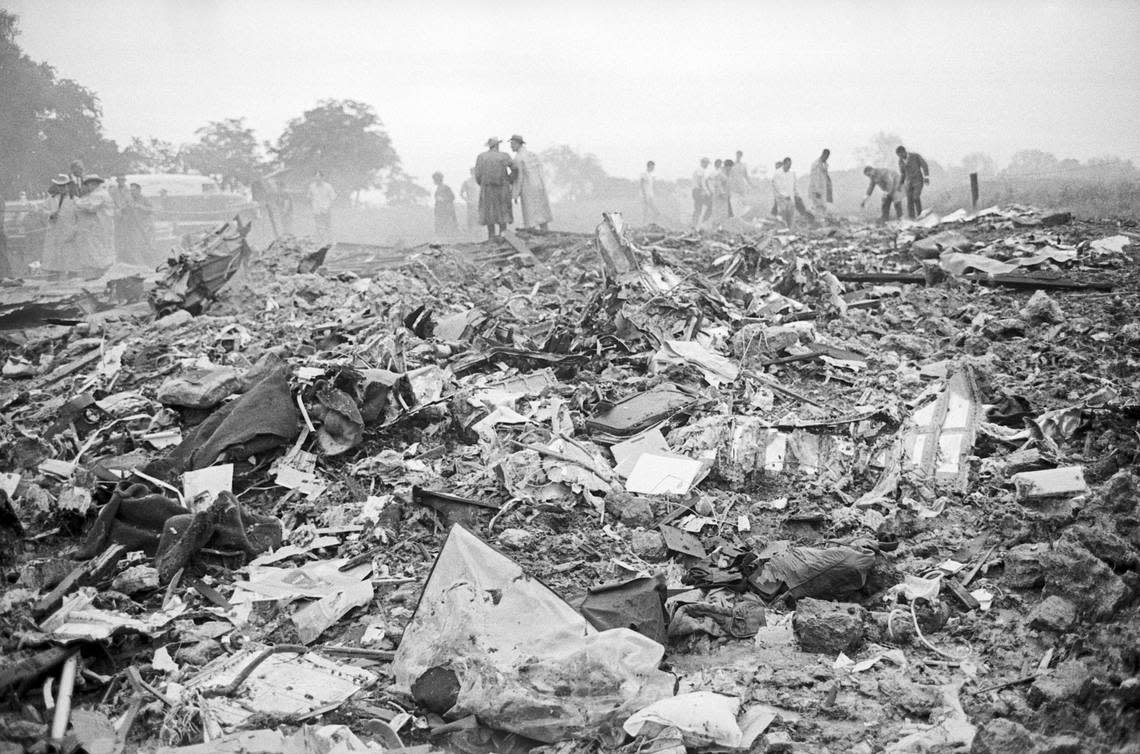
[264,418]
[638,604]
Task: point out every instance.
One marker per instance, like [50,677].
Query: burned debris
[861,488]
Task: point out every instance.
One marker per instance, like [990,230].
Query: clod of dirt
[1053,614]
[828,627]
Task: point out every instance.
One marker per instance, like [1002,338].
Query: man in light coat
[529,187]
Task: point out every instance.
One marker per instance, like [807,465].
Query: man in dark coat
[494,171]
[915,174]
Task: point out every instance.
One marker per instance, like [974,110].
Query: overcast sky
[628,80]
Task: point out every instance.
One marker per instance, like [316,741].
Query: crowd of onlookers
[83,226]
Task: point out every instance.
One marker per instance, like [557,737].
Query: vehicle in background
[25,225]
[188,204]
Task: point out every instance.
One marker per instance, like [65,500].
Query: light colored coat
[530,189]
[95,236]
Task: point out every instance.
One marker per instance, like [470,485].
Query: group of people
[714,185]
[90,227]
[912,175]
[496,183]
[720,189]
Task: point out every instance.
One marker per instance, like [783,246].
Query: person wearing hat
[494,172]
[529,188]
[94,226]
[59,238]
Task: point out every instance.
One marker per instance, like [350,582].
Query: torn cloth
[265,417]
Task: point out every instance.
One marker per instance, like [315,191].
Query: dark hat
[493,141]
[519,139]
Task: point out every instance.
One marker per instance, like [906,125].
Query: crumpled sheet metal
[940,433]
[526,661]
[285,684]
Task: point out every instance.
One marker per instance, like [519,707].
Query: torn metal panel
[613,247]
[453,509]
[283,685]
[1067,480]
[637,413]
[193,279]
[940,434]
[684,542]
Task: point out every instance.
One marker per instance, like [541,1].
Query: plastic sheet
[526,661]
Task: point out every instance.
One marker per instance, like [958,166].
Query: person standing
[721,193]
[740,184]
[740,178]
[120,198]
[75,174]
[494,172]
[445,222]
[702,193]
[94,225]
[529,187]
[784,189]
[120,193]
[649,211]
[469,193]
[59,238]
[888,182]
[321,198]
[136,219]
[915,174]
[819,185]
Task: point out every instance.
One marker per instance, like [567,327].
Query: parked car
[25,223]
[188,204]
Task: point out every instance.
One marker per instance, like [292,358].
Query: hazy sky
[629,80]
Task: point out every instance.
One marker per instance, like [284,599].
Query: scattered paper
[661,474]
[207,482]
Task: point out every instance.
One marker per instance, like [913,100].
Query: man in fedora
[494,172]
[59,240]
[530,189]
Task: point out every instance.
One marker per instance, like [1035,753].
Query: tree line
[50,120]
[58,119]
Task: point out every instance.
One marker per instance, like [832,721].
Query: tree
[45,121]
[572,175]
[225,148]
[880,152]
[402,190]
[345,140]
[1031,162]
[152,155]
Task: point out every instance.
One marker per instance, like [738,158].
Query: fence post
[974,190]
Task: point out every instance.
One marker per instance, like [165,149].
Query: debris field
[850,488]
